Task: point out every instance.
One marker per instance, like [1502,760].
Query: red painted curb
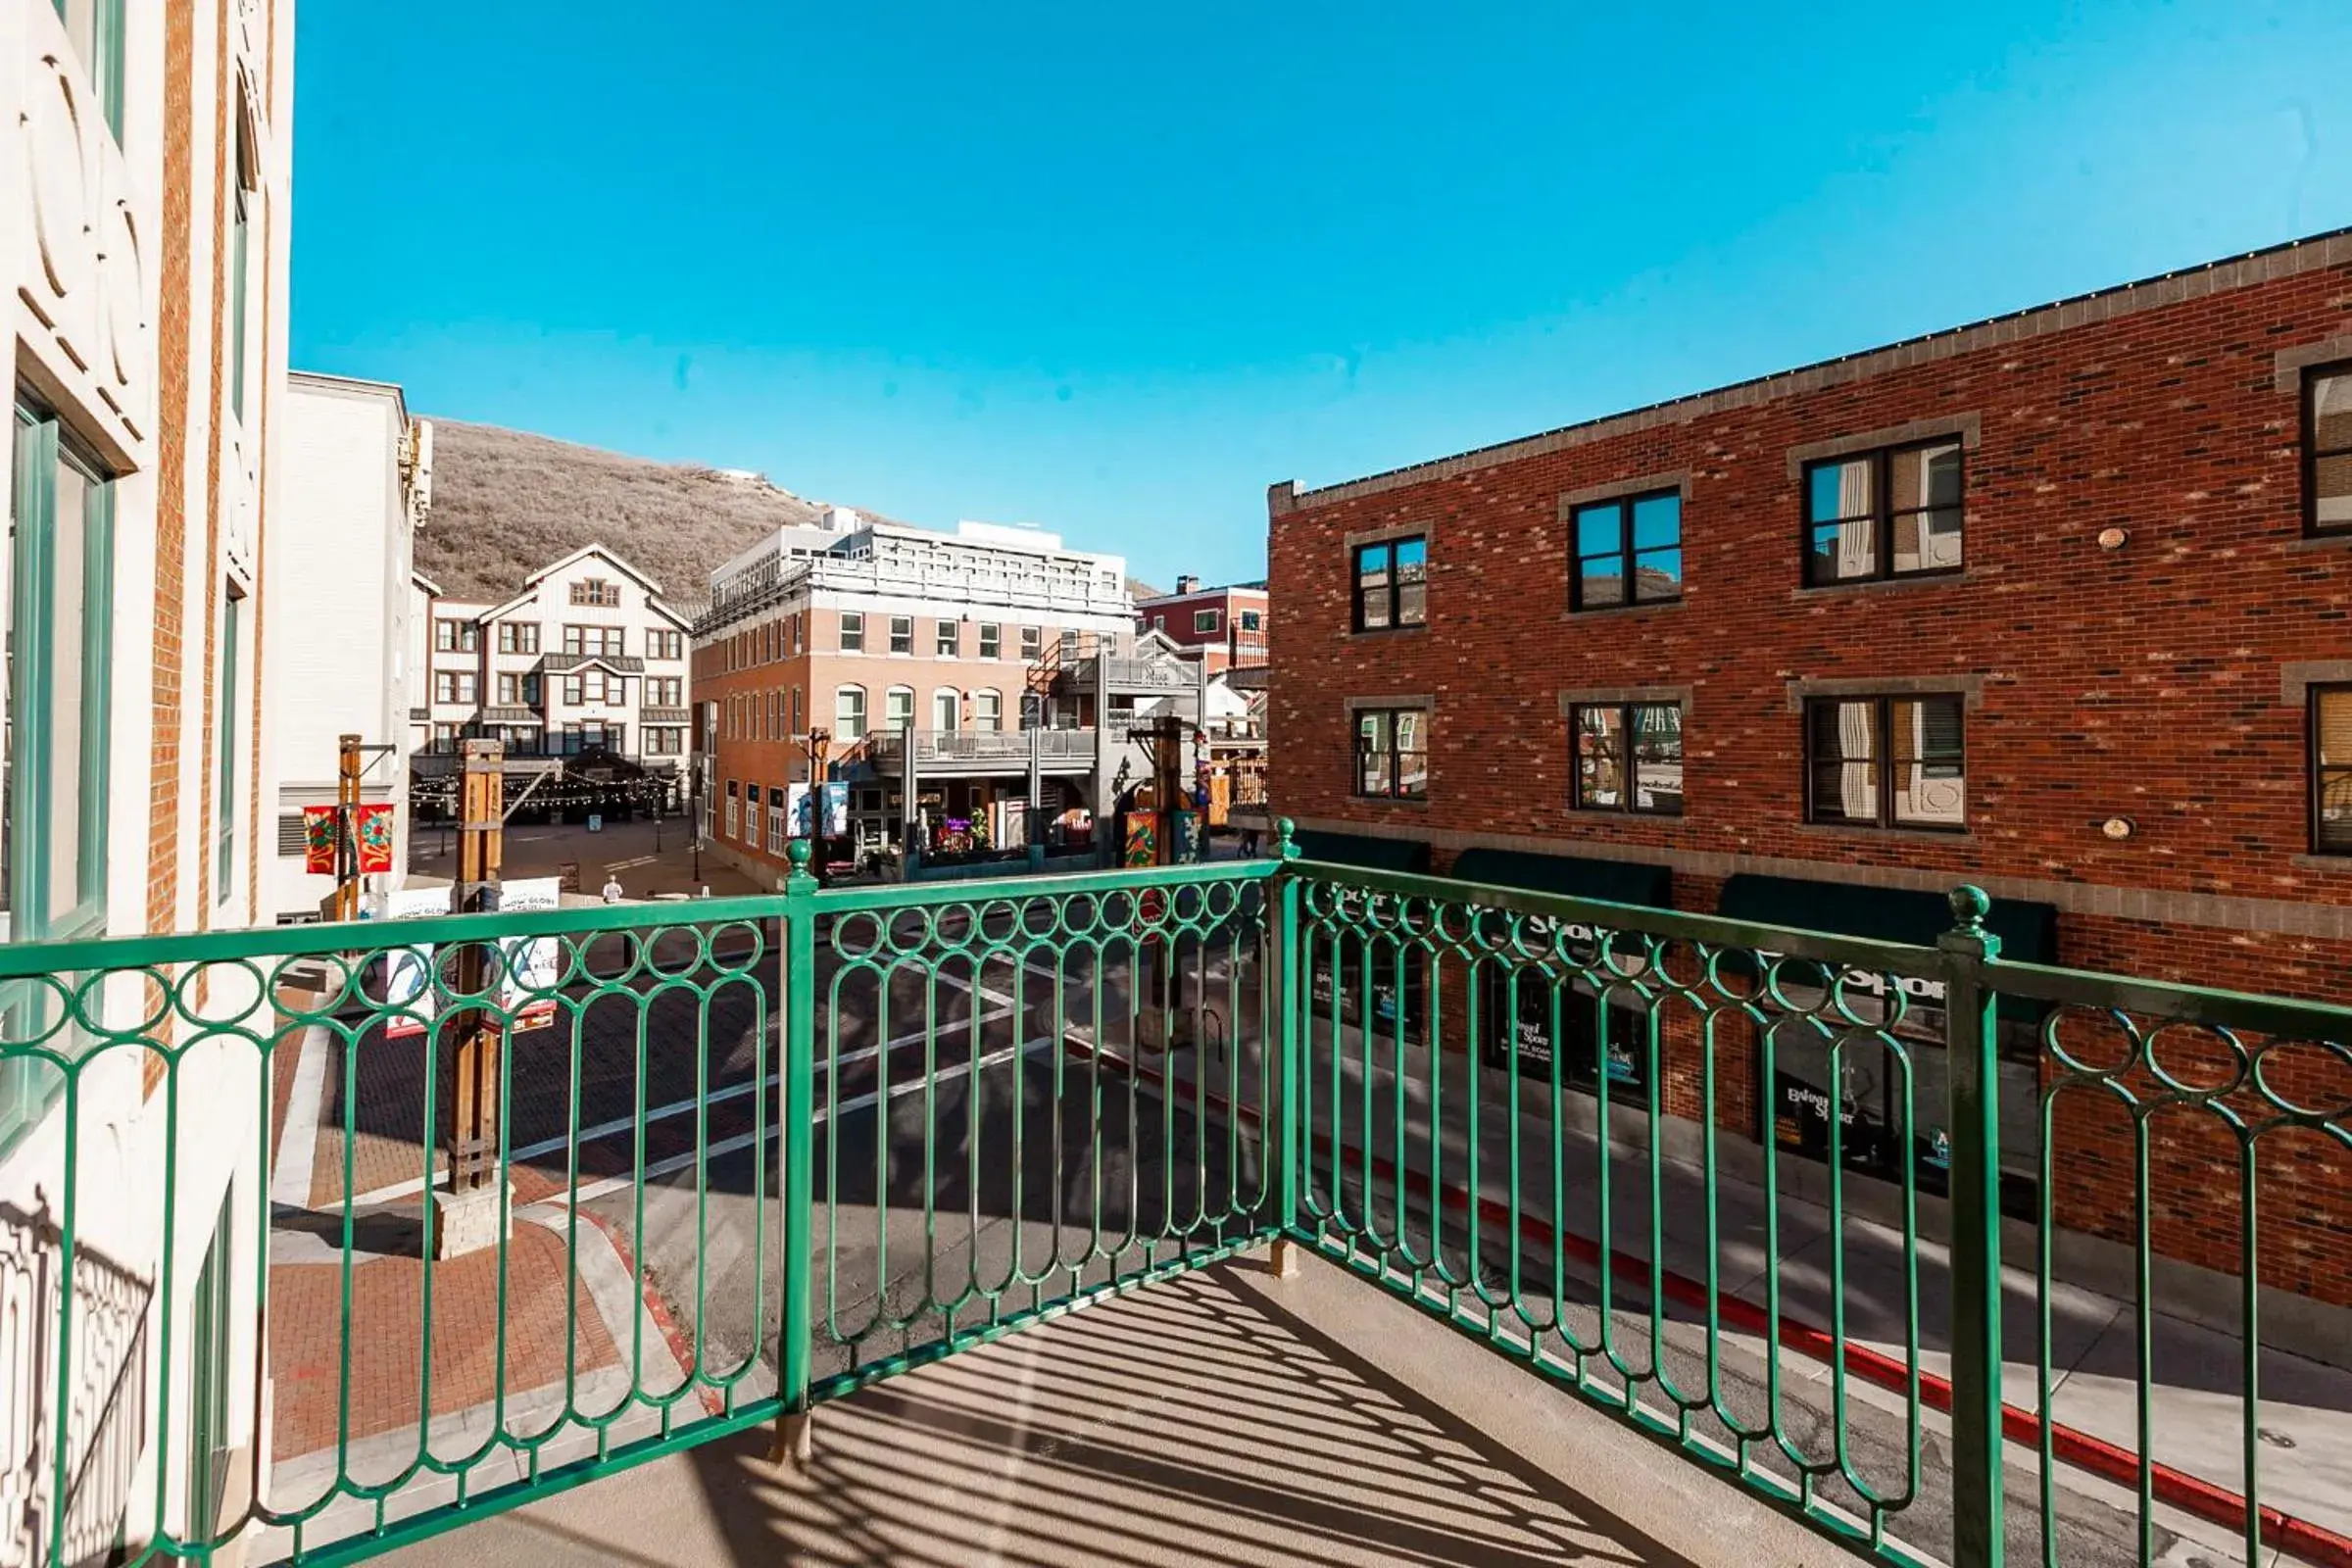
[673,1332]
[2190,1494]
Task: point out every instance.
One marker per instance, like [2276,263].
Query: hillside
[507,503]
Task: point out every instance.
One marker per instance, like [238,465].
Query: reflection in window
[1636,541]
[1920,739]
[2327,447]
[1391,752]
[1887,513]
[1391,584]
[2332,770]
[1629,757]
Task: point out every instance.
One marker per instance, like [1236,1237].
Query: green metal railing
[1740,1185]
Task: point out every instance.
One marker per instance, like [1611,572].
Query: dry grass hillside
[507,503]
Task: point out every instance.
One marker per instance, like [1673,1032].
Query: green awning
[1617,881]
[2029,931]
[1362,849]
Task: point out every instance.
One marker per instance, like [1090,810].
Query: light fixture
[2114,538]
[2117,827]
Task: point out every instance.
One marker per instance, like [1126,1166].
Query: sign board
[596,822]
[527,964]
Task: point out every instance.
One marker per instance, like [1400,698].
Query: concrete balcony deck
[1226,1417]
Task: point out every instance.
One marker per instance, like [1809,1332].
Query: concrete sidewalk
[1225,1417]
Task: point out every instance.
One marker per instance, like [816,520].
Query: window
[1887,513]
[852,632]
[795,723]
[664,691]
[520,740]
[1638,541]
[2332,770]
[1030,639]
[943,711]
[775,823]
[445,739]
[898,708]
[1924,783]
[733,806]
[991,640]
[2327,448]
[1253,621]
[1604,757]
[988,710]
[1391,752]
[594,641]
[848,714]
[517,636]
[243,198]
[60,615]
[456,637]
[1205,622]
[592,687]
[95,30]
[660,644]
[902,634]
[664,740]
[751,815]
[950,642]
[1389,584]
[596,591]
[454,686]
[510,690]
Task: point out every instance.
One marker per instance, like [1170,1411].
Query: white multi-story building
[145,155]
[353,483]
[587,658]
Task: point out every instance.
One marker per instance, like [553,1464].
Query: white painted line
[298,1141]
[414,1185]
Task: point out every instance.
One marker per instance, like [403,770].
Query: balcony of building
[951,753]
[1260,1211]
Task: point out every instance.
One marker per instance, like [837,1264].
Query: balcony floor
[1226,1417]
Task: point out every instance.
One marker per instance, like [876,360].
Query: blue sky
[1112,270]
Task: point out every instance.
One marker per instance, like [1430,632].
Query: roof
[1259,588]
[351,385]
[2330,249]
[585,551]
[611,664]
[425,583]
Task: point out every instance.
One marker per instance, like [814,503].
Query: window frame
[1882,761]
[2315,774]
[1033,643]
[1214,622]
[1882,513]
[1252,621]
[947,640]
[1629,794]
[1393,589]
[849,634]
[992,640]
[225,744]
[860,728]
[902,641]
[1627,554]
[2313,375]
[1357,752]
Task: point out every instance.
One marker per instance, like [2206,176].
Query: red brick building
[2055,604]
[1228,626]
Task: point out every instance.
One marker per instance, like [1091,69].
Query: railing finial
[1286,845]
[798,854]
[1970,905]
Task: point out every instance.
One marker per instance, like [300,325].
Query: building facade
[1228,626]
[588,658]
[354,482]
[2053,604]
[145,155]
[868,631]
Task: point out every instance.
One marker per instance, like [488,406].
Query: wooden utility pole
[347,827]
[470,1101]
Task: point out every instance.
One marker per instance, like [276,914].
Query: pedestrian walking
[613,892]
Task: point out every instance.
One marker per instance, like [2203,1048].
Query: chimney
[1187,584]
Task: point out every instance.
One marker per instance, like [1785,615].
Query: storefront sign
[525,963]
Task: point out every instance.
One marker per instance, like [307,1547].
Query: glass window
[1924,783]
[225,735]
[949,641]
[596,591]
[1391,584]
[2327,447]
[243,200]
[1894,513]
[457,636]
[852,632]
[943,711]
[898,708]
[1629,757]
[1391,752]
[2332,770]
[1031,640]
[848,714]
[988,710]
[902,634]
[95,28]
[1636,541]
[1253,621]
[990,639]
[517,637]
[1205,622]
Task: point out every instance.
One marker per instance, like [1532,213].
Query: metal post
[1290,1137]
[1974,1117]
[796,1180]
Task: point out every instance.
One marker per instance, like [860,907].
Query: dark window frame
[1882,759]
[2312,378]
[1627,554]
[1629,791]
[2316,774]
[1392,590]
[1882,513]
[902,634]
[1358,752]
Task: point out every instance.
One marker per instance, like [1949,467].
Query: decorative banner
[318,840]
[798,811]
[374,833]
[526,963]
[1142,839]
[837,811]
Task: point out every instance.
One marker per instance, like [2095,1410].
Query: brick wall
[2146,682]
